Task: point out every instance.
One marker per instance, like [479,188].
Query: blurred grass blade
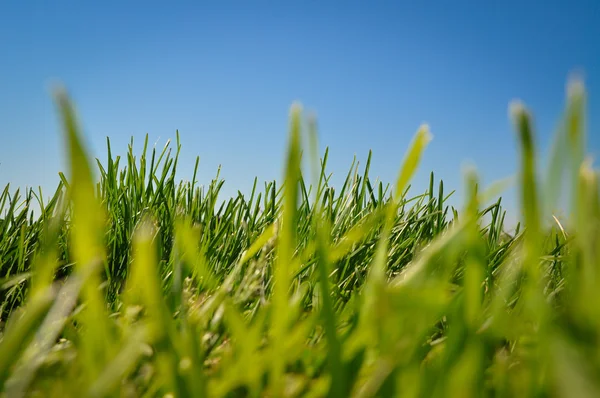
[528,185]
[188,239]
[20,330]
[338,386]
[123,363]
[408,168]
[87,240]
[10,281]
[258,244]
[47,334]
[412,159]
[285,252]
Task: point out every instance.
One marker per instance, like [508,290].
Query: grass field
[131,283]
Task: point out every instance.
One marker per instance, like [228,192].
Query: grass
[131,283]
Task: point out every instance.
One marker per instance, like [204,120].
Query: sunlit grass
[141,285]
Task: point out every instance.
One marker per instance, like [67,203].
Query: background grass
[141,285]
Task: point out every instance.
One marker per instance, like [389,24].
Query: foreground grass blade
[86,239]
[21,329]
[285,252]
[338,386]
[407,170]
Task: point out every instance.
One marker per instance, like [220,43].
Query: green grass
[131,283]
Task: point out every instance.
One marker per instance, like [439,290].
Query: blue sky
[225,73]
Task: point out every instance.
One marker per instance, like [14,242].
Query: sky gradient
[225,73]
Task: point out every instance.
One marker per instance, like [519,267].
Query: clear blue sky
[224,74]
